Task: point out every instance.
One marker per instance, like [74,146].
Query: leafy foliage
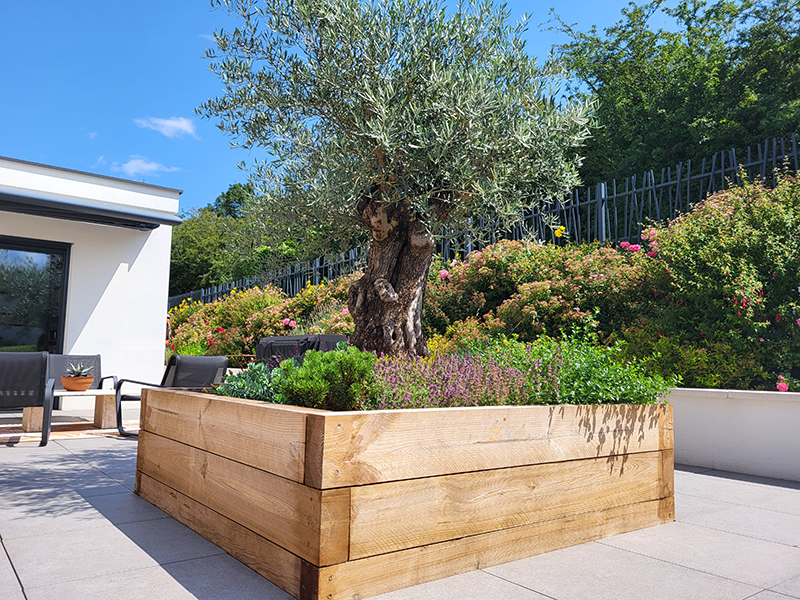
[444,112]
[526,289]
[727,74]
[252,383]
[335,380]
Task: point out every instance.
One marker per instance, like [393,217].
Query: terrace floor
[71,528]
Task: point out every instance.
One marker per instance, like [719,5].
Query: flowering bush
[734,280]
[219,327]
[524,289]
[498,371]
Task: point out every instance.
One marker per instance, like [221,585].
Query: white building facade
[84,266]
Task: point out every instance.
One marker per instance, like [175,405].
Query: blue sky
[110,87]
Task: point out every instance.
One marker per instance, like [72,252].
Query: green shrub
[734,279]
[524,289]
[253,383]
[335,380]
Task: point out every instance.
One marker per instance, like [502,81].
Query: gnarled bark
[386,303]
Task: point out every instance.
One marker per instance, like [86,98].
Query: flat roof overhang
[42,204]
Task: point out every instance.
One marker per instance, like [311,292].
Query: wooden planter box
[351,505]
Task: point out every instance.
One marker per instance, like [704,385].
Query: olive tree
[395,117]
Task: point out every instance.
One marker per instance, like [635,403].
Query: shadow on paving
[96,539]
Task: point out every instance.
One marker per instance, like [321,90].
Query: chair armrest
[113,379]
[147,383]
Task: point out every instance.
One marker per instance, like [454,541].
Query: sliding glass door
[33,286]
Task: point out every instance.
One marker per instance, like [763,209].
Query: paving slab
[467,586]
[9,584]
[151,583]
[125,508]
[70,556]
[167,540]
[769,494]
[602,572]
[790,587]
[738,558]
[43,512]
[752,522]
[768,595]
[222,577]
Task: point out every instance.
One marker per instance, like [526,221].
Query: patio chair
[57,363]
[182,372]
[274,349]
[24,383]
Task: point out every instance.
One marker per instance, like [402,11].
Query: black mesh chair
[57,364]
[24,383]
[272,350]
[183,372]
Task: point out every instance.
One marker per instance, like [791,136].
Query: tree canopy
[726,76]
[389,118]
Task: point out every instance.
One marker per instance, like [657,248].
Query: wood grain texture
[283,511]
[265,436]
[388,517]
[105,411]
[666,426]
[387,572]
[267,559]
[381,446]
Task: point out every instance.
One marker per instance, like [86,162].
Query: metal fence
[606,212]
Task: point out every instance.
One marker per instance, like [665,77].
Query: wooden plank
[32,418]
[387,572]
[666,425]
[105,411]
[302,520]
[393,516]
[267,559]
[381,446]
[265,436]
[666,473]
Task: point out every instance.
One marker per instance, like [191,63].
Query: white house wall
[117,291]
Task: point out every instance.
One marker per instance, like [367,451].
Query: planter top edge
[757,395]
[448,410]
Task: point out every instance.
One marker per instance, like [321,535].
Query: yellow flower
[560,231]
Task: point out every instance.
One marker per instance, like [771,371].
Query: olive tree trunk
[386,303]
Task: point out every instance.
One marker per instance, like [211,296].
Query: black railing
[612,212]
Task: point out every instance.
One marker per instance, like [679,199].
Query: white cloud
[92,135]
[141,165]
[172,127]
[99,162]
[208,36]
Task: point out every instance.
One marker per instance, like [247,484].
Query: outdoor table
[105,410]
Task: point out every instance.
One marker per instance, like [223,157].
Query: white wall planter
[757,433]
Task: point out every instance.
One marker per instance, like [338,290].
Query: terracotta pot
[76,384]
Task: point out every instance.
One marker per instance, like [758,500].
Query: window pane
[31,300]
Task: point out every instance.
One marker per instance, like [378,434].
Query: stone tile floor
[71,528]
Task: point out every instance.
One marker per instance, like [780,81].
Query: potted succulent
[77,377]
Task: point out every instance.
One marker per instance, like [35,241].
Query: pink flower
[783,387]
[292,324]
[287,321]
[635,247]
[798,322]
[577,309]
[444,274]
[652,254]
[624,245]
[220,329]
[345,311]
